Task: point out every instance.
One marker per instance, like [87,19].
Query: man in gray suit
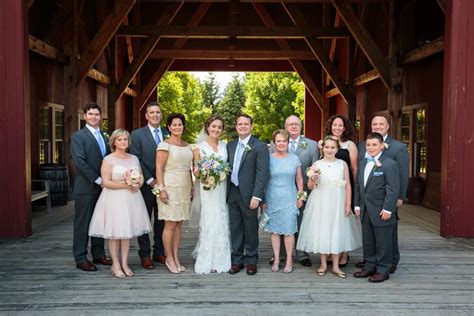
[145,140]
[397,151]
[375,201]
[307,151]
[249,158]
[88,147]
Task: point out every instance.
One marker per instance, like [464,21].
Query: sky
[222,77]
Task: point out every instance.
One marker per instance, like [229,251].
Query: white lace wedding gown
[213,250]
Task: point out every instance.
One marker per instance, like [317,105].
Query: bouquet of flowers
[313,173]
[134,178]
[212,170]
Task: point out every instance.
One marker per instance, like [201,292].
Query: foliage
[231,105]
[271,98]
[182,92]
[210,92]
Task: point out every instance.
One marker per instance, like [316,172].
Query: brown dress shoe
[251,269]
[86,266]
[235,268]
[363,273]
[393,268]
[103,260]
[147,263]
[378,277]
[160,259]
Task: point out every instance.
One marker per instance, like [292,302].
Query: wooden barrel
[416,189]
[58,177]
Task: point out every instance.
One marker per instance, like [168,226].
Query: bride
[212,252]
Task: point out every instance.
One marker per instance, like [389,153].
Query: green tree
[231,105]
[210,92]
[270,98]
[182,92]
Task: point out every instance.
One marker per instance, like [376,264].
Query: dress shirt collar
[297,140]
[376,157]
[245,141]
[92,129]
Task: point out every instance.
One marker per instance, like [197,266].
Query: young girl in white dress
[328,225]
[120,213]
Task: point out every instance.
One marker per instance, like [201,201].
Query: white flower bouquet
[212,170]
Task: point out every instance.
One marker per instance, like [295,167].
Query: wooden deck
[435,277]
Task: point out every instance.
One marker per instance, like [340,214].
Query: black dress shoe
[393,268]
[360,263]
[378,277]
[251,269]
[103,260]
[235,268]
[306,262]
[363,273]
[86,266]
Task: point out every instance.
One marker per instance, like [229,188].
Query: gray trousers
[84,208]
[377,243]
[243,229]
[144,250]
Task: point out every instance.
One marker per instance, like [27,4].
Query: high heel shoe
[321,272]
[343,265]
[170,269]
[118,275]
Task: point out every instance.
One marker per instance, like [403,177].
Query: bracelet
[302,195]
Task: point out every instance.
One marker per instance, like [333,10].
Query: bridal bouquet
[313,173]
[212,170]
[134,178]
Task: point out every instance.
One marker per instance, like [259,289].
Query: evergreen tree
[210,92]
[231,105]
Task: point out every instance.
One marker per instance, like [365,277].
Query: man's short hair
[90,106]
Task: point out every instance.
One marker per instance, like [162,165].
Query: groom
[249,158]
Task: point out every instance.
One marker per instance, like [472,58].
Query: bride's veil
[196,204]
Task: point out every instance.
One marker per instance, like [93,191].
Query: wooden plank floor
[435,277]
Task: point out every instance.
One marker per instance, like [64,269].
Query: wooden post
[313,117]
[457,181]
[15,180]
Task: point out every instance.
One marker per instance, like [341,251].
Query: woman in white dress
[212,252]
[120,213]
[328,226]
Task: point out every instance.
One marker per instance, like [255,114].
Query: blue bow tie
[369,159]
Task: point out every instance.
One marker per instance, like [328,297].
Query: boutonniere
[167,136]
[247,148]
[106,136]
[386,146]
[303,144]
[378,164]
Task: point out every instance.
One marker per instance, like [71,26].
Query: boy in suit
[375,199]
[88,147]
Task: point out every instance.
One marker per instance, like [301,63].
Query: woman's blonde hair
[116,134]
[281,132]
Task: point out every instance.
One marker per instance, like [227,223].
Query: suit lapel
[92,138]
[244,154]
[149,135]
[232,146]
[298,146]
[373,170]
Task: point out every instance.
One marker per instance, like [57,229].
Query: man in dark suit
[249,158]
[375,201]
[308,152]
[145,140]
[398,151]
[88,147]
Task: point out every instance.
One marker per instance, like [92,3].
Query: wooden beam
[146,49]
[323,57]
[423,51]
[247,32]
[98,76]
[442,5]
[358,81]
[296,64]
[103,37]
[165,64]
[332,49]
[236,54]
[364,40]
[46,50]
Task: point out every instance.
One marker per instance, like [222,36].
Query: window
[51,133]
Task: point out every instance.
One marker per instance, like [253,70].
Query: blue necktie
[234,177]
[100,141]
[369,159]
[157,137]
[292,146]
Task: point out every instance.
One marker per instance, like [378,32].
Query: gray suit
[398,151]
[253,177]
[87,160]
[144,147]
[380,192]
[307,154]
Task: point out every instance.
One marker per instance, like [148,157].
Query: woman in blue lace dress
[284,196]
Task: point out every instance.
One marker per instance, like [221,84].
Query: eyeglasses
[293,124]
